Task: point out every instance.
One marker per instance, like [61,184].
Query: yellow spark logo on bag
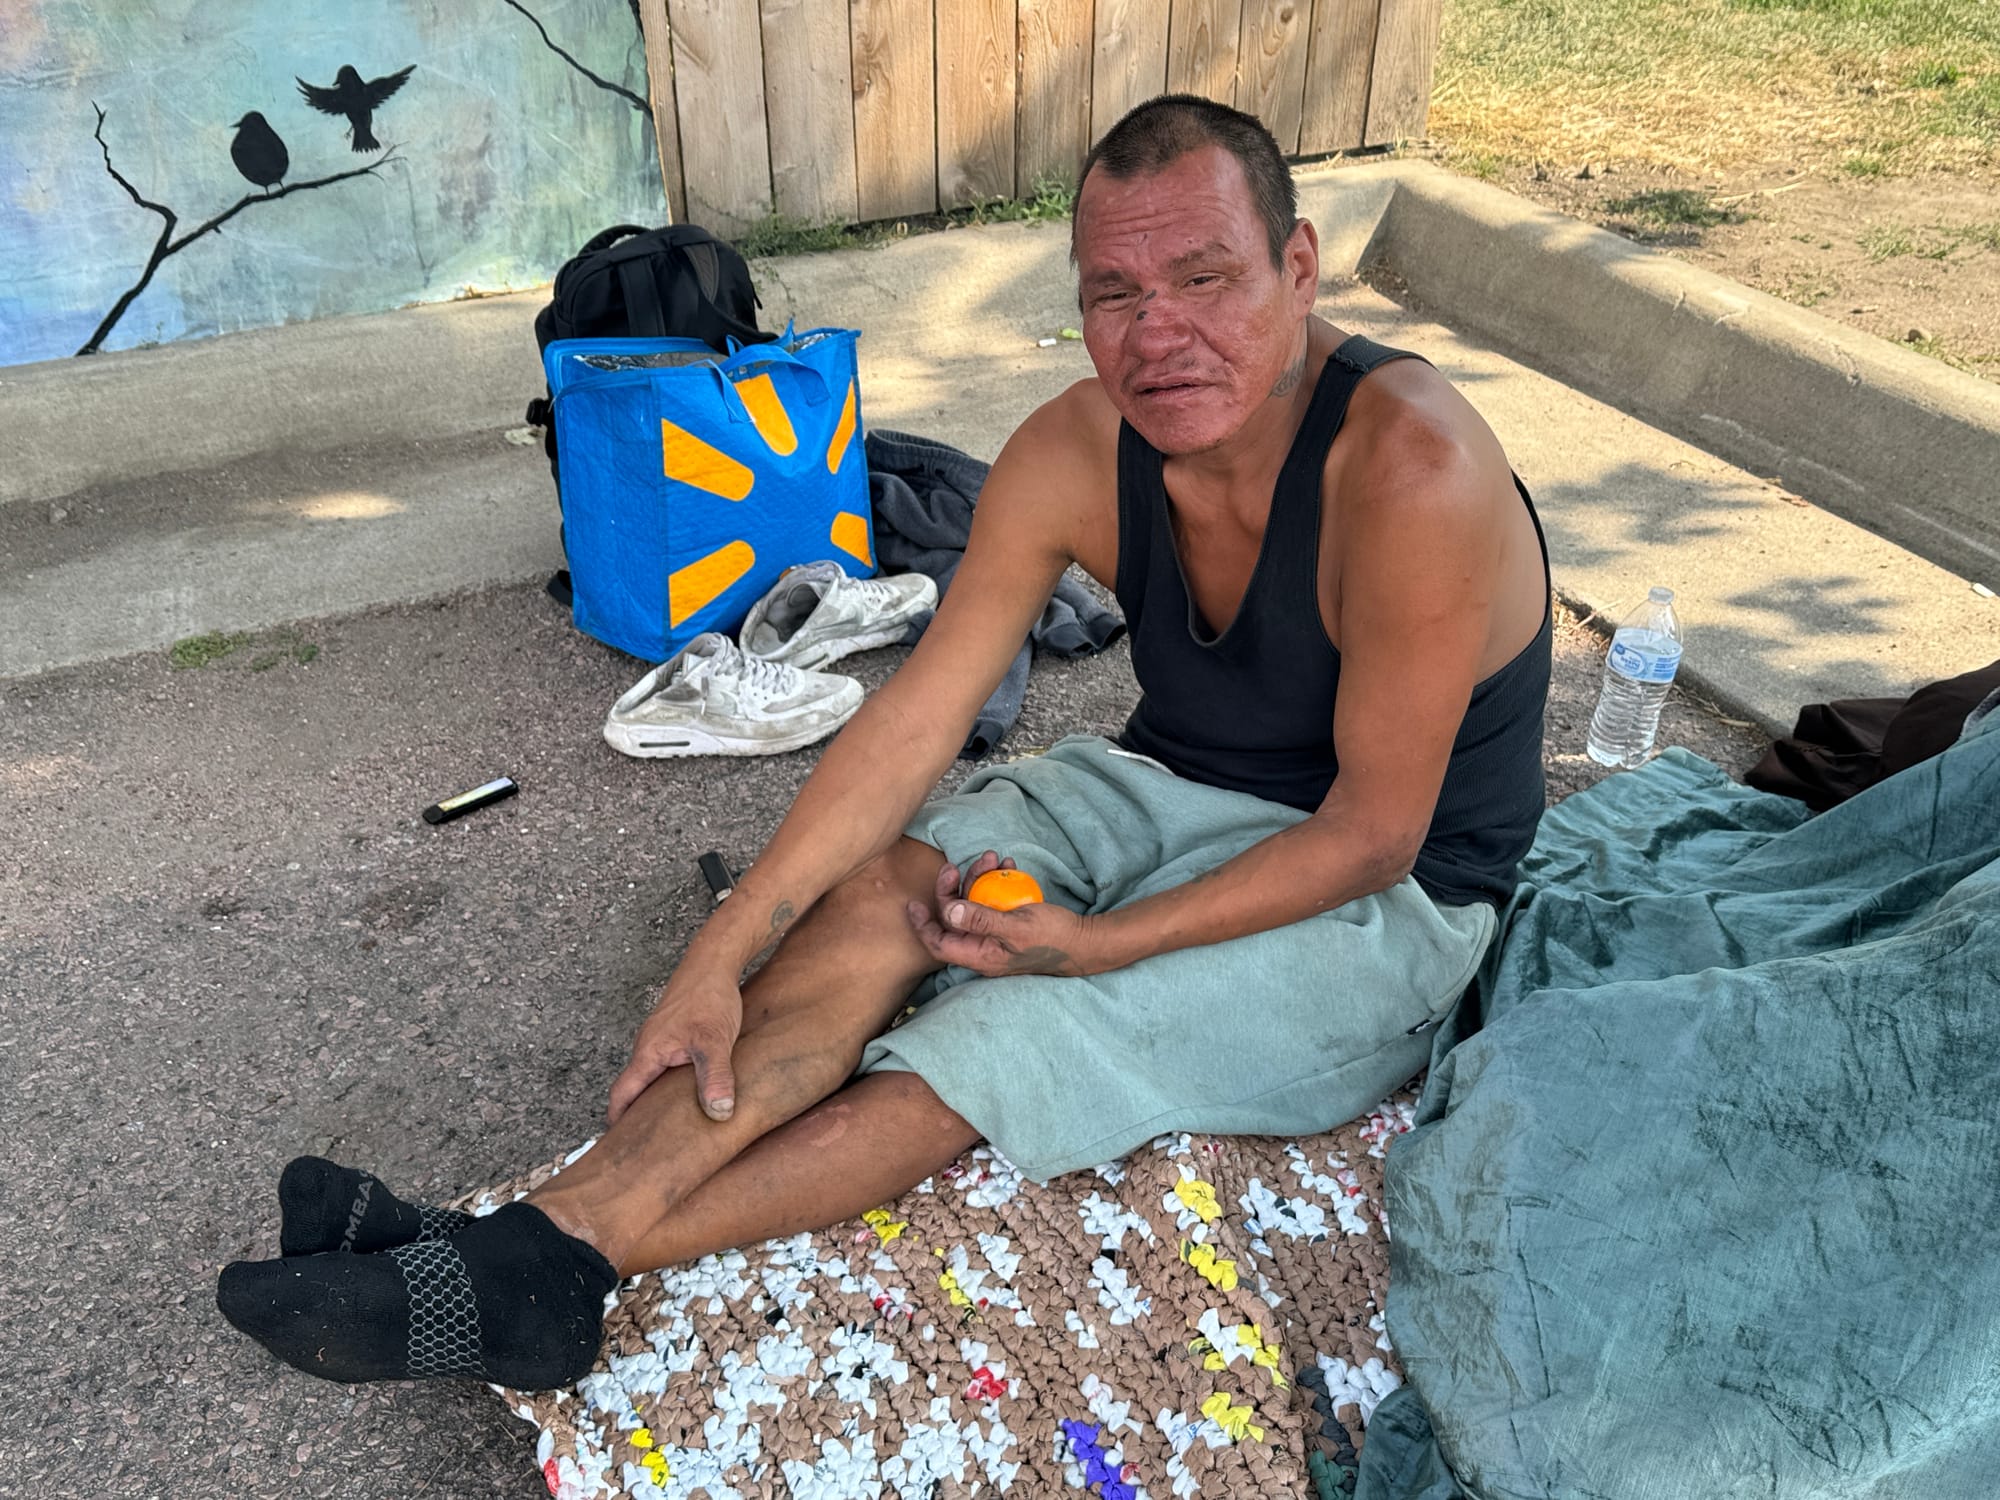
[754,464]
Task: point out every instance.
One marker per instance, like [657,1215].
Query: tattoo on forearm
[1294,373]
[1045,958]
[781,918]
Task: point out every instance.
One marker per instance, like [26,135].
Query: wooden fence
[851,110]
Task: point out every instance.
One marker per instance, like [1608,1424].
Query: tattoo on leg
[1294,372]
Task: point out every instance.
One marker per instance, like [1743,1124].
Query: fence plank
[660,94]
[1399,90]
[1131,62]
[719,94]
[809,102]
[1337,70]
[909,104]
[1054,128]
[975,100]
[1271,66]
[1201,48]
[895,118]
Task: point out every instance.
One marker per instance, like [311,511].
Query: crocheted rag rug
[1203,1318]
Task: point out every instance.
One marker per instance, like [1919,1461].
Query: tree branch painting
[167,244]
[643,106]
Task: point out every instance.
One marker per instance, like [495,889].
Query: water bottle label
[1637,665]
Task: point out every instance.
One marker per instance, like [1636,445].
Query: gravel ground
[226,938]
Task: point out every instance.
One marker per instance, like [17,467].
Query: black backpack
[628,282]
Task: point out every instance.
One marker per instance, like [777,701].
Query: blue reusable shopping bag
[691,480]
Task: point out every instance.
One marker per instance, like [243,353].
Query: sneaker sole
[827,652]
[650,742]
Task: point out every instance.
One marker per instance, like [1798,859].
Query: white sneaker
[816,614]
[714,700]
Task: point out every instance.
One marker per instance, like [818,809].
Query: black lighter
[457,807]
[716,873]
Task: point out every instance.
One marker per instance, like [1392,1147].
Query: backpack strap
[644,316]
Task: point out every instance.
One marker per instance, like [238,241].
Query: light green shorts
[1284,1032]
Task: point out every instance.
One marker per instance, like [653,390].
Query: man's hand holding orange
[991,918]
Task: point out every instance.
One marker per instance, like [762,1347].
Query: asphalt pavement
[227,937]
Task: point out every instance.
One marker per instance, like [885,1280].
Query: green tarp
[1705,1200]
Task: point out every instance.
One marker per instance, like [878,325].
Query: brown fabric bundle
[1840,749]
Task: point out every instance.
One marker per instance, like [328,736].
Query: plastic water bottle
[1645,653]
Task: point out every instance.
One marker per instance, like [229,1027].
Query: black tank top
[1251,709]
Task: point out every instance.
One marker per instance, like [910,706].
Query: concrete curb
[1895,442]
[438,370]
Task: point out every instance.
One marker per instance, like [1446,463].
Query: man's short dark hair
[1158,133]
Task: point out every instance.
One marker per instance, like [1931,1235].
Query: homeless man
[1340,618]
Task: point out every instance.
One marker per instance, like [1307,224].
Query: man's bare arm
[1421,551]
[881,766]
[886,761]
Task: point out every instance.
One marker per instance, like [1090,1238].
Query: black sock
[323,1206]
[508,1298]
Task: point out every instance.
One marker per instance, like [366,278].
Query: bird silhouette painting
[259,152]
[260,156]
[356,99]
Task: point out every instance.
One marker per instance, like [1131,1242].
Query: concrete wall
[496,158]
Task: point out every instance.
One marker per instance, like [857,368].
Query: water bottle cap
[1660,596]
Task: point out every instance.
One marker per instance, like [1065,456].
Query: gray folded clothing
[923,492]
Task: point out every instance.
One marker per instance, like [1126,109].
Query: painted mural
[173,169]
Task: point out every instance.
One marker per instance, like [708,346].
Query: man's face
[1188,322]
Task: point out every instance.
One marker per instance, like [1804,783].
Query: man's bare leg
[834,983]
[517,1297]
[866,1145]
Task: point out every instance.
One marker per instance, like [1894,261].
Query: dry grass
[1951,354]
[1872,87]
[1929,242]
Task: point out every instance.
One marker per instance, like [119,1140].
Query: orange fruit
[1003,890]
